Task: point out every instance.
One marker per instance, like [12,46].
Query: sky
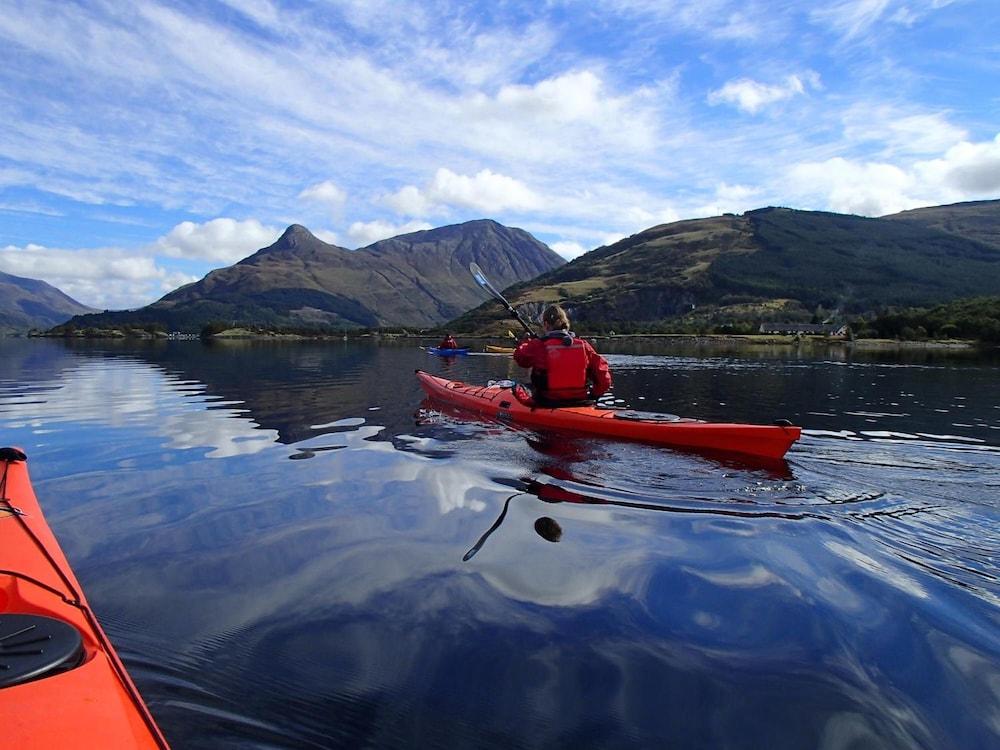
[144,143]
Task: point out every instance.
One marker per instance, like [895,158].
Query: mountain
[419,279]
[30,303]
[767,264]
[975,220]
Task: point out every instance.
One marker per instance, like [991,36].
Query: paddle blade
[479,276]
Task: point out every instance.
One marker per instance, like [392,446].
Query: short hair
[555,317]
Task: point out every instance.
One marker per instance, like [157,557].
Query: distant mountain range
[30,303]
[419,280]
[769,264]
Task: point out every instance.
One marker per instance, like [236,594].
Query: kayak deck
[82,697]
[505,404]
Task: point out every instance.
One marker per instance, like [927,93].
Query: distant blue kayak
[446,352]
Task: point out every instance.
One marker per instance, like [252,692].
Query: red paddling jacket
[561,365]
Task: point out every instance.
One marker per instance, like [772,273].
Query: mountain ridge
[768,264]
[27,304]
[972,219]
[418,279]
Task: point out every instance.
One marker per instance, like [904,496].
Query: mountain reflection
[234,397]
[74,387]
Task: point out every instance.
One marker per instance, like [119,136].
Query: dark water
[273,537]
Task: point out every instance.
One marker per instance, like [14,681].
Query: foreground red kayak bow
[61,683]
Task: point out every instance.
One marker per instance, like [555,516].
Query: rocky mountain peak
[295,235]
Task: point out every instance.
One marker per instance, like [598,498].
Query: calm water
[288,551]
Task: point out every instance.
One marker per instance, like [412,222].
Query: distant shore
[790,340]
[742,340]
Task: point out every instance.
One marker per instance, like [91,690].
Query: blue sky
[145,143]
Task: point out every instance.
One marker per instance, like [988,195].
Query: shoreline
[742,340]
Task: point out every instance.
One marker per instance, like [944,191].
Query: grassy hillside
[974,220]
[851,263]
[658,273]
[773,264]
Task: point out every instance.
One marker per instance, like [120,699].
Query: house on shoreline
[805,329]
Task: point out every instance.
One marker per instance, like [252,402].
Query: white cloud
[326,193]
[326,235]
[261,12]
[411,201]
[751,96]
[219,240]
[646,215]
[105,278]
[742,20]
[966,171]
[568,97]
[972,169]
[248,107]
[565,118]
[276,105]
[737,26]
[29,207]
[734,193]
[486,191]
[568,250]
[732,199]
[365,233]
[851,17]
[868,189]
[898,132]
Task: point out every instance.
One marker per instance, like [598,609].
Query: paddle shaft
[480,277]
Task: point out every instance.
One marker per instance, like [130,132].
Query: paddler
[565,369]
[448,342]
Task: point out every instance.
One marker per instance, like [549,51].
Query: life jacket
[565,368]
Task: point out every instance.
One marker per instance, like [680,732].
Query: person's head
[554,318]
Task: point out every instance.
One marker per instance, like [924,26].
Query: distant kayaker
[448,342]
[562,364]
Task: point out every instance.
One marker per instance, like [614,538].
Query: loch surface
[290,548]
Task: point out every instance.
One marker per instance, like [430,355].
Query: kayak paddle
[480,277]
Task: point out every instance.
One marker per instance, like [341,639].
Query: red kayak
[514,405]
[61,683]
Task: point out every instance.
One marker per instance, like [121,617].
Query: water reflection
[453,583]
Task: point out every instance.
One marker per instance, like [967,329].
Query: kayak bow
[514,405]
[61,683]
